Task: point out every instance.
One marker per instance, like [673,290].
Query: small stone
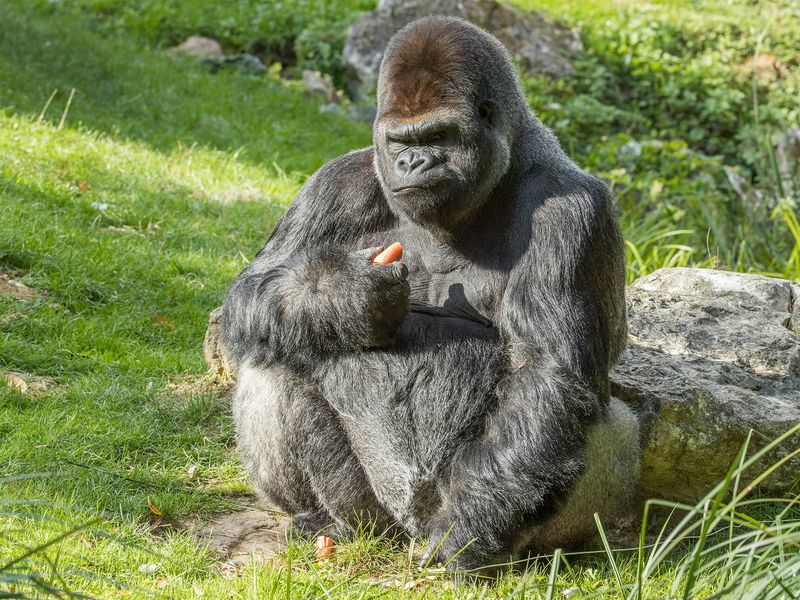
[331,108]
[200,47]
[362,113]
[787,157]
[247,63]
[321,86]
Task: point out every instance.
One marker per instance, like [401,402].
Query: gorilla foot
[470,558]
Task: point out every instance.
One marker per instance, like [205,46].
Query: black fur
[466,388]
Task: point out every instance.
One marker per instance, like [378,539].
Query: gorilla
[461,393]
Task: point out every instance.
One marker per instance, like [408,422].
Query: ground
[134,185]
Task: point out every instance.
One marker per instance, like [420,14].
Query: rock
[354,112]
[217,357]
[743,187]
[539,44]
[787,157]
[200,47]
[321,86]
[247,534]
[362,113]
[711,355]
[247,63]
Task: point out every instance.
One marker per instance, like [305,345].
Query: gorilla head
[446,121]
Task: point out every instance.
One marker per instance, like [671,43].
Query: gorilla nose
[412,162]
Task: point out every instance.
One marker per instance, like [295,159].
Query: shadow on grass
[127,91]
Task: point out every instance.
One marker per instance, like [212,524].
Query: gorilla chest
[463,292]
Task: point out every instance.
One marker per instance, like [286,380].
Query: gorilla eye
[485,111]
[436,136]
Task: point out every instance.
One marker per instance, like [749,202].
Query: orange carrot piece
[392,254]
[324,547]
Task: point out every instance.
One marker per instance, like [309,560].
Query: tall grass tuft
[724,545]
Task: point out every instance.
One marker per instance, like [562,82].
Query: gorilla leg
[297,453]
[606,486]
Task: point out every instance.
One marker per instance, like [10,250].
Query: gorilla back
[463,392]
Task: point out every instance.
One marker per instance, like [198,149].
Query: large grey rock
[539,44]
[711,355]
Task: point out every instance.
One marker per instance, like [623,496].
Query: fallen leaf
[154,510]
[83,186]
[162,320]
[17,382]
[10,318]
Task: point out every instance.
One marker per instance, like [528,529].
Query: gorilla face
[440,148]
[438,167]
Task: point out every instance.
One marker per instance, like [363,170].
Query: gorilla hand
[373,300]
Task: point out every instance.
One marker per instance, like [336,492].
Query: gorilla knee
[261,407]
[607,486]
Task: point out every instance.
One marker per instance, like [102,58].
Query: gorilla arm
[308,291]
[562,321]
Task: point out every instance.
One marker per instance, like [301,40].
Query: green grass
[132,207]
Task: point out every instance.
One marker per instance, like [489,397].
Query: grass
[130,209]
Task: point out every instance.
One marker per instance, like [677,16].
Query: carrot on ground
[392,254]
[324,547]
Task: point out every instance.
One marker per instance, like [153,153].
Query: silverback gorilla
[462,393]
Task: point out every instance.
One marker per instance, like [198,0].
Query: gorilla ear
[486,112]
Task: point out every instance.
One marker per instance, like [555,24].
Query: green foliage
[307,34]
[680,83]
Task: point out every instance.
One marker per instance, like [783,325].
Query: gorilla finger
[399,270]
[396,271]
[369,253]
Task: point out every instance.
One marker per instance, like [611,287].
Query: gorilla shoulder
[338,203]
[350,175]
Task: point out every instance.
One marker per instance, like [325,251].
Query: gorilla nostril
[410,163]
[417,163]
